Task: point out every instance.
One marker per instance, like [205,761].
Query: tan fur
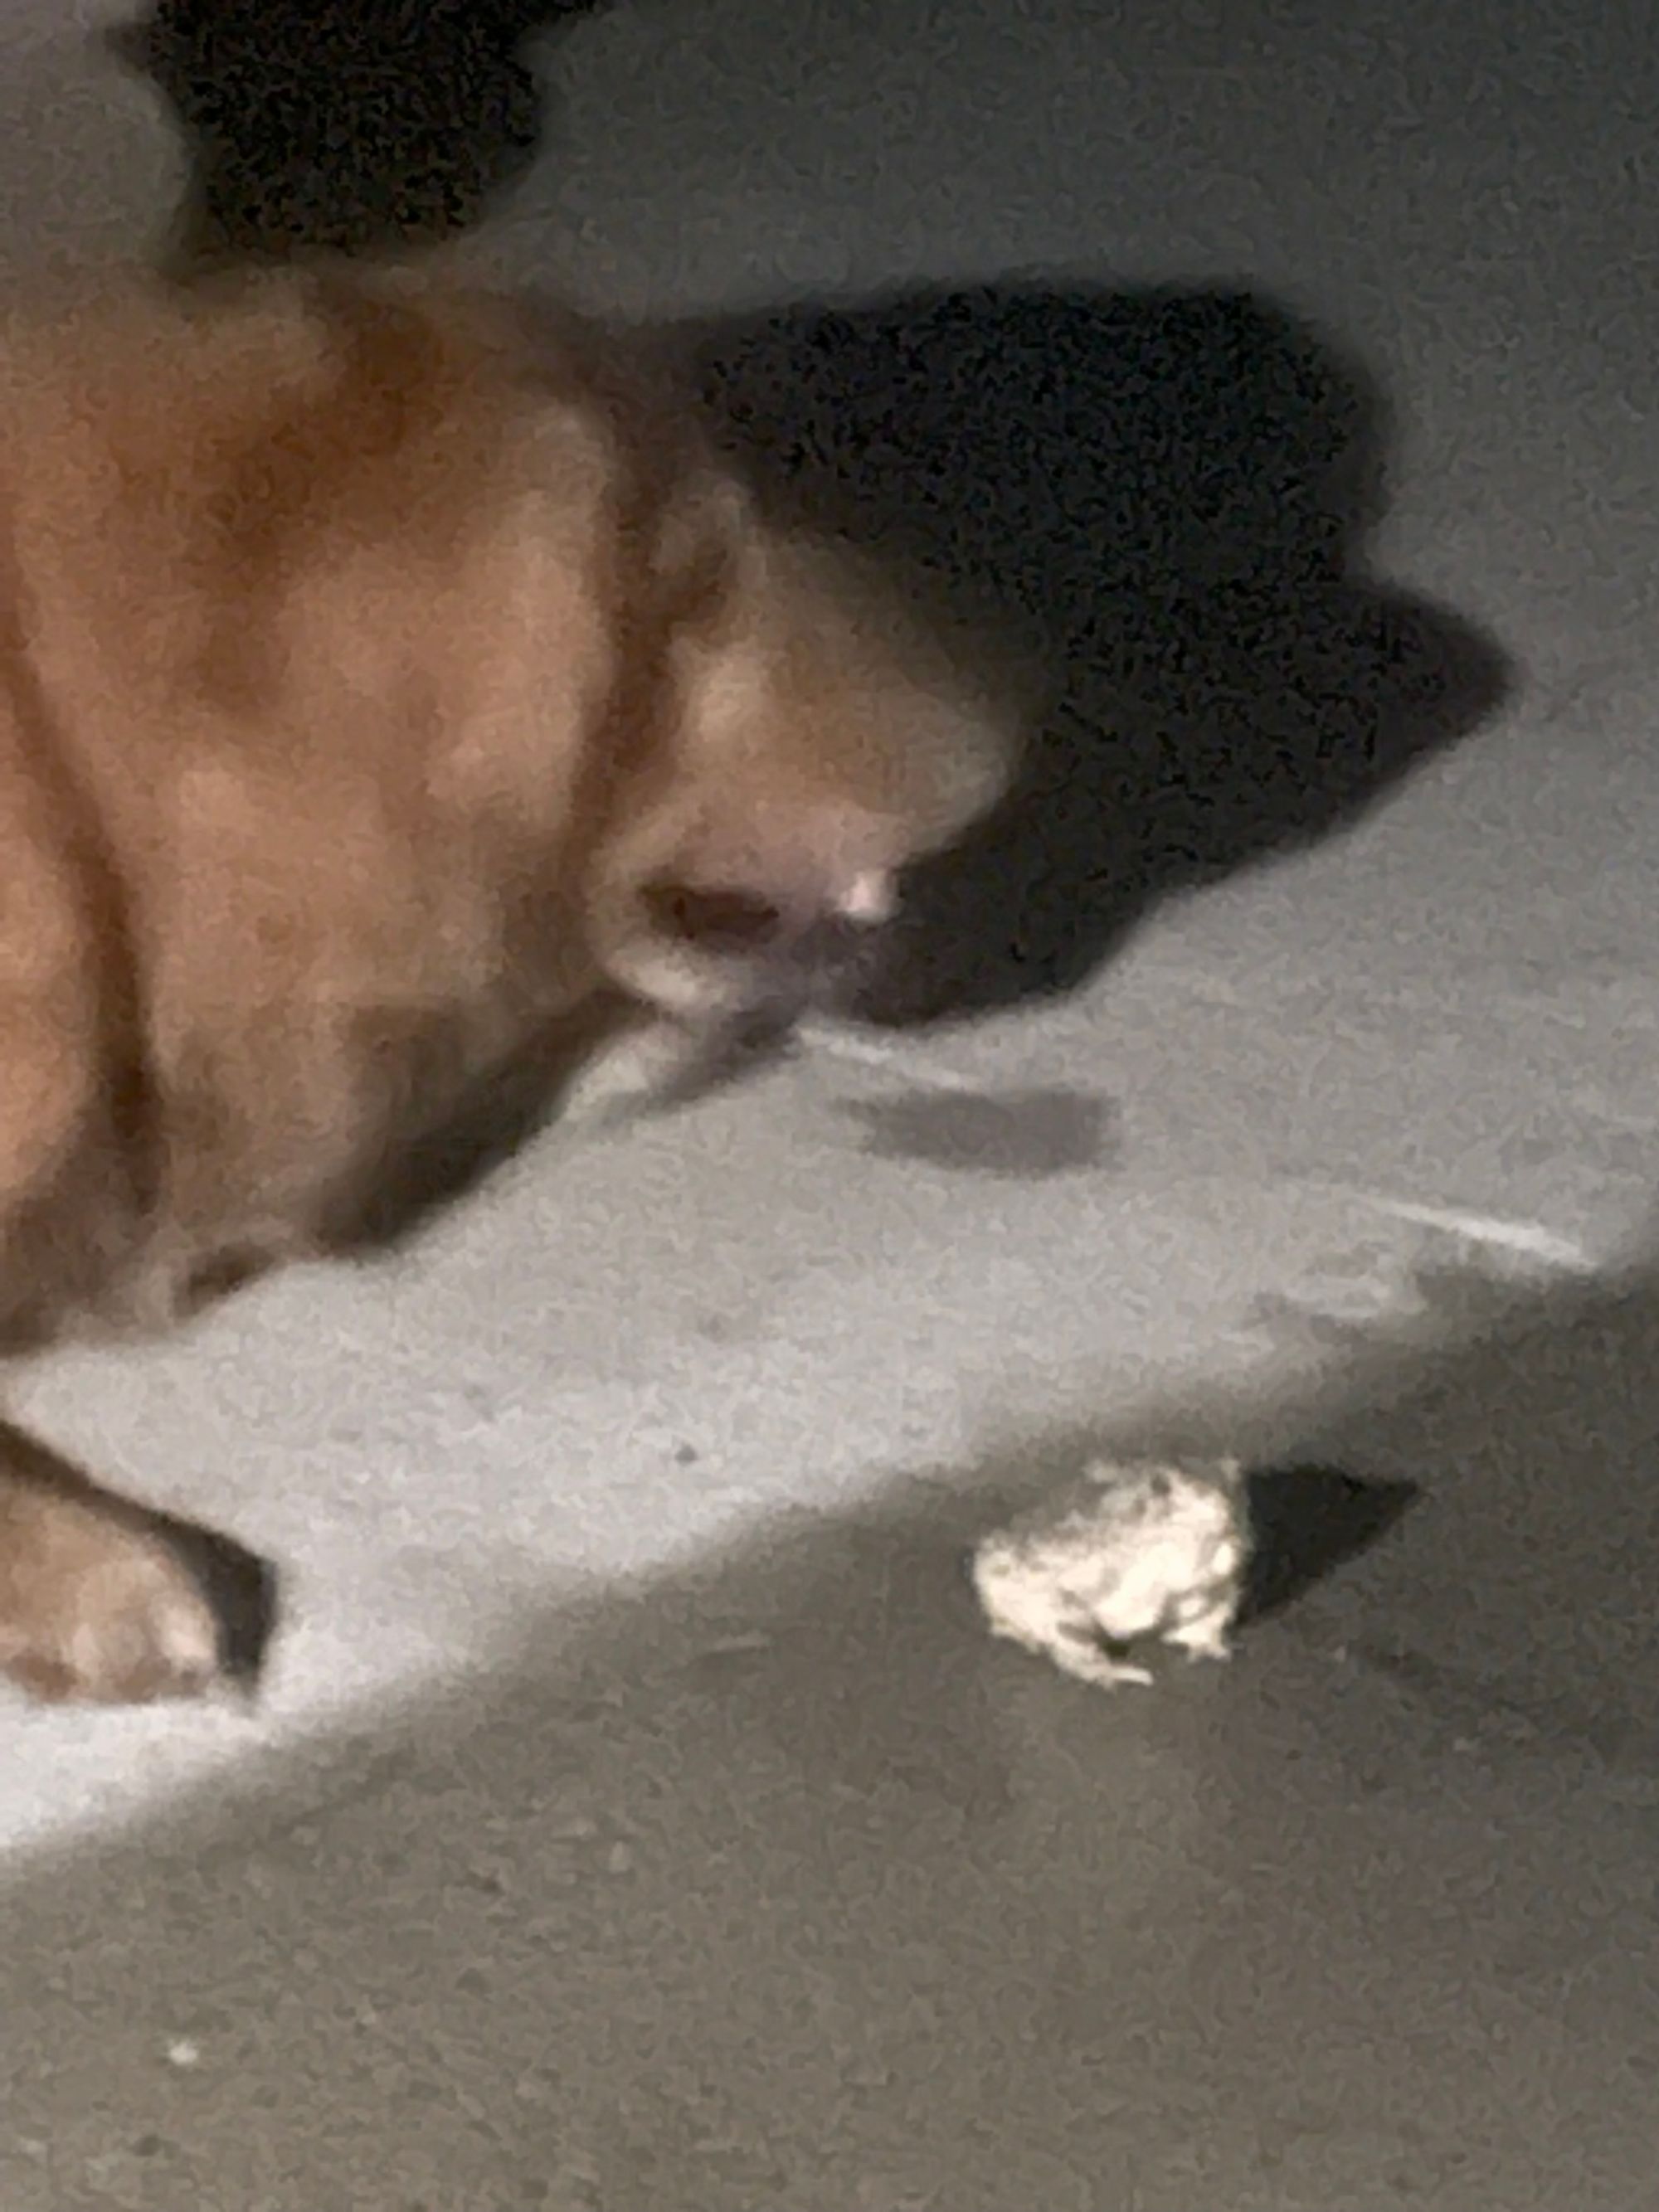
[372,656]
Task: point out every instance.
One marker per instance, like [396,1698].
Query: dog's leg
[105,1601]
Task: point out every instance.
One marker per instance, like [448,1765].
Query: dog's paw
[100,1604]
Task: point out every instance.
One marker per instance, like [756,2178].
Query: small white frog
[1131,1551]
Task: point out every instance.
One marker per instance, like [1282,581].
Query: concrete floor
[640,1820]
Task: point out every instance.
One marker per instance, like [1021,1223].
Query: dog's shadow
[343,129]
[1169,492]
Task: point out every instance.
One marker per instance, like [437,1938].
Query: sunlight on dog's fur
[393,685]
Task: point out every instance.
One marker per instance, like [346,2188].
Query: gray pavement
[776,1885]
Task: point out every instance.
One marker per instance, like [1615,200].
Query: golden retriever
[391,686]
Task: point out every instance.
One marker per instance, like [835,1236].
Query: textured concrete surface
[636,1817]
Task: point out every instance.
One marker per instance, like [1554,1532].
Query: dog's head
[823,739]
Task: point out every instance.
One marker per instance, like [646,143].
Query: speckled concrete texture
[777,1885]
[637,1818]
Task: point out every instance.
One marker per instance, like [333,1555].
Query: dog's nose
[722,922]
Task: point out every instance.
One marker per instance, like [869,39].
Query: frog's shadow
[1307,1521]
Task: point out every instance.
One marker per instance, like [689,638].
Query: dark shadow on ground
[1307,1521]
[1026,1134]
[1170,491]
[345,124]
[779,1883]
[1167,492]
